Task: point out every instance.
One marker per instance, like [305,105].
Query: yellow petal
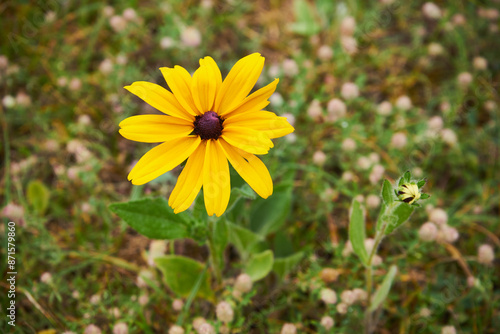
[205,84]
[154,128]
[159,98]
[216,180]
[255,101]
[189,182]
[238,83]
[247,139]
[179,80]
[250,168]
[162,158]
[272,125]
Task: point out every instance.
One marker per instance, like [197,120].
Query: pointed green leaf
[243,239]
[268,215]
[153,218]
[284,265]
[407,176]
[383,290]
[425,196]
[387,192]
[357,232]
[38,196]
[181,275]
[421,183]
[398,216]
[239,193]
[260,265]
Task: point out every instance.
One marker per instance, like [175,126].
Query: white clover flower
[191,37]
[404,102]
[290,67]
[449,137]
[348,297]
[428,232]
[176,330]
[348,26]
[431,10]
[319,158]
[288,329]
[399,140]
[438,216]
[349,144]
[342,308]
[327,322]
[120,328]
[325,52]
[480,63]
[224,312]
[384,108]
[328,296]
[314,111]
[349,91]
[243,283]
[485,254]
[372,201]
[92,329]
[177,305]
[117,23]
[448,330]
[464,79]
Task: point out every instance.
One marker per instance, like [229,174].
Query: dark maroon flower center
[208,125]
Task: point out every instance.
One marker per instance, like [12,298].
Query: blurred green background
[373,88]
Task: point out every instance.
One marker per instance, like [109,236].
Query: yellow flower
[208,122]
[409,193]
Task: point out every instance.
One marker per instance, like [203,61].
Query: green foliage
[269,215]
[383,290]
[306,22]
[181,275]
[284,265]
[357,234]
[399,214]
[387,193]
[38,196]
[153,218]
[243,239]
[260,265]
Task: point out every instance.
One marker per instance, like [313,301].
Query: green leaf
[407,176]
[220,238]
[244,191]
[398,216]
[38,196]
[260,265]
[306,23]
[383,290]
[268,215]
[425,196]
[284,265]
[421,183]
[357,232]
[181,275]
[153,218]
[199,211]
[243,239]
[387,192]
[282,245]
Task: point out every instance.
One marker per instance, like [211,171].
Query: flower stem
[214,261]
[379,235]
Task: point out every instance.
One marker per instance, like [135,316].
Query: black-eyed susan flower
[208,122]
[410,192]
